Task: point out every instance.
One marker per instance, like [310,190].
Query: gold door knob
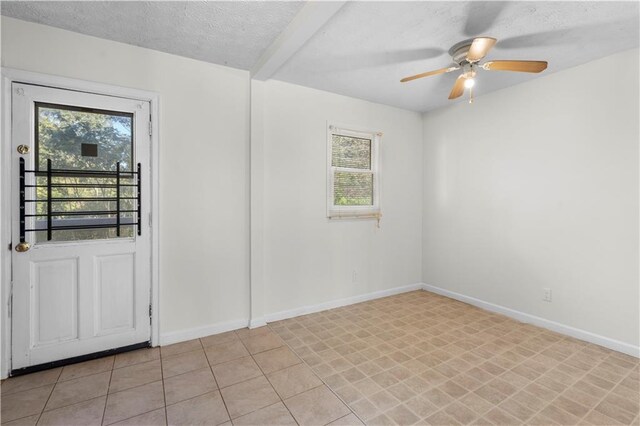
[22,247]
[23,149]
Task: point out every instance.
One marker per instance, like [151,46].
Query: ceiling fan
[467,55]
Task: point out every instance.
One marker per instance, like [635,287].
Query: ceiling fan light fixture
[467,55]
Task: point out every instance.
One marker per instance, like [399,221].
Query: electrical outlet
[547,294]
[354,276]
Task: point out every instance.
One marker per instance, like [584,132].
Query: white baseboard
[197,332]
[257,322]
[310,309]
[207,330]
[587,336]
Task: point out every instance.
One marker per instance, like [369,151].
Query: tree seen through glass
[61,132]
[352,188]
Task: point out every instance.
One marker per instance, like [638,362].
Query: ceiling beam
[313,16]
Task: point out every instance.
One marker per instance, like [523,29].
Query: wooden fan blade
[428,73]
[479,48]
[458,88]
[518,66]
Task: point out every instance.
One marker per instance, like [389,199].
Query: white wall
[537,186]
[204,201]
[533,186]
[307,258]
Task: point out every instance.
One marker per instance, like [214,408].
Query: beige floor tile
[383,400]
[440,419]
[78,390]
[183,363]
[381,420]
[247,397]
[179,348]
[597,418]
[401,415]
[517,410]
[86,368]
[25,403]
[558,415]
[461,413]
[421,406]
[497,416]
[217,339]
[365,410]
[276,415]
[86,413]
[207,409]
[581,398]
[316,406]
[135,375]
[276,359]
[348,420]
[133,402]
[349,394]
[628,401]
[293,380]
[437,397]
[136,357]
[599,382]
[236,371]
[30,381]
[615,412]
[245,333]
[414,354]
[25,421]
[152,418]
[571,406]
[385,379]
[189,385]
[262,342]
[224,352]
[453,390]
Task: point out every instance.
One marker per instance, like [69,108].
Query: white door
[81,282]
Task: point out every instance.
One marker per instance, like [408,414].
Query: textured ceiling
[222,32]
[366,47]
[369,46]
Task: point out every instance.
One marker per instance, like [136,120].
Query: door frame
[11,75]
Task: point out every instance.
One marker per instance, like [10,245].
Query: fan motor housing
[459,51]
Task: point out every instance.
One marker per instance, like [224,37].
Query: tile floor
[248,377]
[415,358]
[420,358]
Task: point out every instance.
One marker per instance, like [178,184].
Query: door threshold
[77,359]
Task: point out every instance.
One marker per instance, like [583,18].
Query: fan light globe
[469,83]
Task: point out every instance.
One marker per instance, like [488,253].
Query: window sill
[372,215]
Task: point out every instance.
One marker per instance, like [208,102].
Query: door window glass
[74,140]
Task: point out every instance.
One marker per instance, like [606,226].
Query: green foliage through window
[351,188]
[349,152]
[61,131]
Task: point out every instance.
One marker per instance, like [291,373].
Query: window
[77,139]
[353,174]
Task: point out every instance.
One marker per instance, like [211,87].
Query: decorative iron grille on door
[116,204]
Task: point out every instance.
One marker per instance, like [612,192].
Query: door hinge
[150,310]
[150,126]
[10,246]
[150,219]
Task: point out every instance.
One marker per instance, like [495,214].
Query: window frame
[353,212]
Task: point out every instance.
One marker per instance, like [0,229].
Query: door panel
[83,284]
[115,285]
[55,301]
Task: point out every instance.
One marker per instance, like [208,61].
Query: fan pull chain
[471,95]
